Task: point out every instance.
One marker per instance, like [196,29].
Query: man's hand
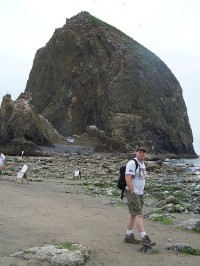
[129,183]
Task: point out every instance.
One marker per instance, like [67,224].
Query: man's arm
[129,183]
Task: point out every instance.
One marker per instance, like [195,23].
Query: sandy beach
[43,213]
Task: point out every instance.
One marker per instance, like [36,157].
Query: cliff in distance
[90,73]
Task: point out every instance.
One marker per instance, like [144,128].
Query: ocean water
[195,162]
[192,164]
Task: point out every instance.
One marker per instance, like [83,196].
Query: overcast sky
[169,28]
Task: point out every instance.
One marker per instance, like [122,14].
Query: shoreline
[70,149]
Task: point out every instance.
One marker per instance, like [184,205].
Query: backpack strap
[136,164]
[122,194]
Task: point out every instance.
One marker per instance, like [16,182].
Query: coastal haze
[173,38]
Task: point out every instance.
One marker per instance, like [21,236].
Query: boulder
[171,200]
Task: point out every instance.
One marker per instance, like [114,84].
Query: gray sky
[169,28]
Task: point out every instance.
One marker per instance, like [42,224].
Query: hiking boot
[131,239]
[147,241]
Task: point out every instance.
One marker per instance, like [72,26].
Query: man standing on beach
[135,180]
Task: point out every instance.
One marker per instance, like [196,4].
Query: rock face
[22,128]
[90,73]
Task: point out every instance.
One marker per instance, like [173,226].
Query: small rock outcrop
[183,248]
[22,128]
[190,224]
[62,255]
[109,143]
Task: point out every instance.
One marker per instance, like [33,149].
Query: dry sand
[43,213]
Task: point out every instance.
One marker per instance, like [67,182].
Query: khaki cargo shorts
[135,203]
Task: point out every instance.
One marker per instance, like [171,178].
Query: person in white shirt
[135,180]
[2,161]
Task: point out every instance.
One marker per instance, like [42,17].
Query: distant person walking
[135,179]
[2,161]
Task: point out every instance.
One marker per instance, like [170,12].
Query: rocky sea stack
[22,128]
[90,73]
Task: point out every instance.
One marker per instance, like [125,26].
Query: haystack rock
[90,73]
